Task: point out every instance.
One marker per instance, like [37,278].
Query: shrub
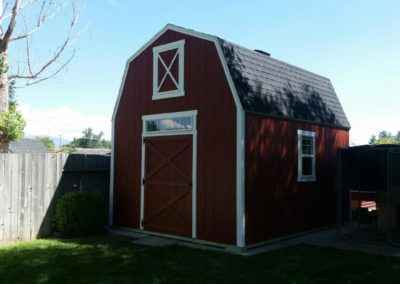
[79,214]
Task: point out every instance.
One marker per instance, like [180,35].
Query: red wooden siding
[276,204]
[206,90]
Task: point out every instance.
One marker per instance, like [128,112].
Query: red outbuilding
[218,143]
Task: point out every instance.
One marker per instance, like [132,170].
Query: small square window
[168,70]
[306,156]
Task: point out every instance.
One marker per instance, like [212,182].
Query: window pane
[169,124]
[307,145]
[307,166]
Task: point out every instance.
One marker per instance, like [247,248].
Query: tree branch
[22,6]
[28,57]
[52,75]
[6,38]
[24,35]
[41,19]
[36,75]
[3,12]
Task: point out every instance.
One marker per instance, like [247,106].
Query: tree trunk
[3,82]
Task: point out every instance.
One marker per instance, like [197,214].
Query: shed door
[168,184]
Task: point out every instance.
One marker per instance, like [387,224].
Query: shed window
[169,124]
[306,155]
[173,123]
[168,70]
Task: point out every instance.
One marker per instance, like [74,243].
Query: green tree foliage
[385,137]
[3,64]
[47,141]
[89,139]
[12,124]
[12,97]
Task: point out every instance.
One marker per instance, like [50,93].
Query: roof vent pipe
[262,52]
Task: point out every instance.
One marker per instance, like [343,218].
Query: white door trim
[193,132]
[112,169]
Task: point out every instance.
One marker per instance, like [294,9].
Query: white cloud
[175,124]
[63,121]
[363,127]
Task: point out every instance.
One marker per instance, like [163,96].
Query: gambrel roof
[267,86]
[272,87]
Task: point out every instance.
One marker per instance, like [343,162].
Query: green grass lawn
[116,260]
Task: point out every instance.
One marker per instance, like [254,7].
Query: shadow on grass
[117,260]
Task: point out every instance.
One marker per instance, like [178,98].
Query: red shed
[219,143]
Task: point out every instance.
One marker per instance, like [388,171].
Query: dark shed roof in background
[271,87]
[371,168]
[27,145]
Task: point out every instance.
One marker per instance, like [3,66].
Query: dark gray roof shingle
[271,87]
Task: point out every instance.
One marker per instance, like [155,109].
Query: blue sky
[354,43]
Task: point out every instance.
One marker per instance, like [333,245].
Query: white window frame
[180,56]
[301,155]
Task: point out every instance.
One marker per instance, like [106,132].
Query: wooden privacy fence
[31,183]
